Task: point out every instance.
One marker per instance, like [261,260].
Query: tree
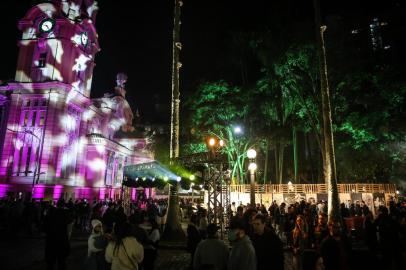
[329,166]
[173,229]
[215,109]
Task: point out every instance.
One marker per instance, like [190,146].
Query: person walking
[268,246]
[124,253]
[242,255]
[211,253]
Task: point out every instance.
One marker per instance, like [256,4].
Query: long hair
[121,231]
[303,230]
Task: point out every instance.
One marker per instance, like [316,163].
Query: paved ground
[27,253]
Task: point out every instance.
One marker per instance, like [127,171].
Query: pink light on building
[133,194]
[3,190]
[102,193]
[39,192]
[58,189]
[54,131]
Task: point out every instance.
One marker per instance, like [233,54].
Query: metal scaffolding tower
[217,184]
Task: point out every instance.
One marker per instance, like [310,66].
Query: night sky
[138,40]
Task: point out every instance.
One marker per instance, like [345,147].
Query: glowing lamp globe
[237,130]
[251,153]
[221,143]
[252,166]
[178,178]
[192,177]
[212,142]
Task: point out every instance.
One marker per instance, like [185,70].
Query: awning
[149,171]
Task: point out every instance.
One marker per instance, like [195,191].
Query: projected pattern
[56,141]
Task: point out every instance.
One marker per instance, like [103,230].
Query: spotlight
[166,178]
[136,179]
[153,178]
[178,178]
[192,177]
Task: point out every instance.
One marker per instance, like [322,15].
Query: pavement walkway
[24,252]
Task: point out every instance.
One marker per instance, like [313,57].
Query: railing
[316,188]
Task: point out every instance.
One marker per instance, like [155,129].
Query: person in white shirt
[125,253]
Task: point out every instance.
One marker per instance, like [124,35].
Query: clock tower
[59,43]
[43,140]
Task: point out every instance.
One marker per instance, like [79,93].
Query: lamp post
[252,167]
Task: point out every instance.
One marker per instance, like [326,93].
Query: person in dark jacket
[193,236]
[211,253]
[57,246]
[268,246]
[335,249]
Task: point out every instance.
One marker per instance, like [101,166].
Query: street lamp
[252,167]
[237,130]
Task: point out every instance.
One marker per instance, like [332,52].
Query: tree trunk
[266,176]
[173,229]
[329,170]
[295,161]
[279,149]
[176,47]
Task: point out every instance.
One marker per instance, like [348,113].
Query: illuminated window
[25,118]
[20,156]
[34,118]
[71,148]
[376,34]
[27,162]
[41,118]
[42,60]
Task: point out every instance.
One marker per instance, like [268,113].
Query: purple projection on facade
[55,141]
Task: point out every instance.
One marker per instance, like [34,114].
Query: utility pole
[173,229]
[329,165]
[176,65]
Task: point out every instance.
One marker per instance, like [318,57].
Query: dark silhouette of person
[57,246]
[268,246]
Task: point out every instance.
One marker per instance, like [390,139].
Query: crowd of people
[258,237]
[117,240]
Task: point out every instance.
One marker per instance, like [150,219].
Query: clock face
[46,25]
[84,38]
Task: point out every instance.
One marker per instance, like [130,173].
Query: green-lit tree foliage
[215,110]
[279,104]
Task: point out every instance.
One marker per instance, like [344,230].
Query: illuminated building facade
[55,140]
